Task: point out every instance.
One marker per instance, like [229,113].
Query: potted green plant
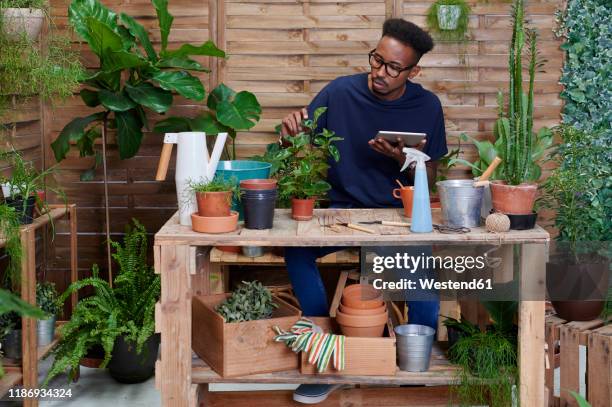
[305,166]
[214,197]
[10,233]
[11,309]
[578,189]
[27,68]
[120,318]
[448,19]
[22,18]
[457,329]
[47,301]
[488,360]
[515,193]
[21,189]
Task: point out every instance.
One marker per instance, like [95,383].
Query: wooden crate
[241,348]
[562,341]
[363,356]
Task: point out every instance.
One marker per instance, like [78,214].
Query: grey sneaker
[313,393]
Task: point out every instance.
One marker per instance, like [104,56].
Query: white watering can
[193,164]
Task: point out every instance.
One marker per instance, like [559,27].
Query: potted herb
[515,193]
[214,197]
[21,189]
[119,318]
[457,329]
[11,309]
[305,166]
[47,300]
[448,19]
[577,274]
[22,18]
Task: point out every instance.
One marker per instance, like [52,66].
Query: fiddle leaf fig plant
[249,302]
[132,79]
[228,112]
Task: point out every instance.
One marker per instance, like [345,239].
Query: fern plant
[127,309]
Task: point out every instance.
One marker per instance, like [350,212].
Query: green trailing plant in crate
[249,302]
[133,78]
[126,309]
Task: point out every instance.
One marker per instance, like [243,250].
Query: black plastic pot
[18,203]
[454,335]
[522,222]
[259,211]
[126,366]
[11,345]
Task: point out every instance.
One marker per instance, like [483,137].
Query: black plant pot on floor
[17,202]
[126,366]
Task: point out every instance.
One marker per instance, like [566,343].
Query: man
[358,106]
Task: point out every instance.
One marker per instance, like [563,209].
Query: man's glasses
[392,69]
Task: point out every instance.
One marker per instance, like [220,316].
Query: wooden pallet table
[182,257]
[26,372]
[563,340]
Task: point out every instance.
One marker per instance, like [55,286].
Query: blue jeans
[308,286]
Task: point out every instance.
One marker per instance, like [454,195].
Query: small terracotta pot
[302,209]
[361,296]
[230,249]
[513,199]
[214,203]
[214,224]
[258,184]
[371,326]
[359,311]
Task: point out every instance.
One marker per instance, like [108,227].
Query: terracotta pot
[362,296]
[258,184]
[214,224]
[405,194]
[577,291]
[358,311]
[513,199]
[214,203]
[302,209]
[371,326]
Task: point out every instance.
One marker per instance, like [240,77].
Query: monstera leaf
[240,111]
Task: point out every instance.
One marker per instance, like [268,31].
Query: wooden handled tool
[386,223]
[164,161]
[483,179]
[357,227]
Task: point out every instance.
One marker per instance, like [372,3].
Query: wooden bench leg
[175,366]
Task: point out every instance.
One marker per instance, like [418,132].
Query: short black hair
[409,34]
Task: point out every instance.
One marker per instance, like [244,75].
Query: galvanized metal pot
[45,330]
[461,202]
[414,343]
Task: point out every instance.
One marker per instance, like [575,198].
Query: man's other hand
[393,150]
[292,123]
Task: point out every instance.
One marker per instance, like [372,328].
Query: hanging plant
[448,20]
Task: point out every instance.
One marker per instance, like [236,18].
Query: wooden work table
[182,259]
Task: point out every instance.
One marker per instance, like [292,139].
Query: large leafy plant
[126,309]
[304,163]
[228,112]
[133,77]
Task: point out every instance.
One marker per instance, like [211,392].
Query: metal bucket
[461,202]
[414,343]
[45,331]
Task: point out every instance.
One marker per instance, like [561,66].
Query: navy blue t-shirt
[364,178]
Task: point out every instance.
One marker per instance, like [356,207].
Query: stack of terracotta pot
[214,213]
[362,311]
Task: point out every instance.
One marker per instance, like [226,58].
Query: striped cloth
[321,347]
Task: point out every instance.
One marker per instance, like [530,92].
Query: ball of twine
[497,222]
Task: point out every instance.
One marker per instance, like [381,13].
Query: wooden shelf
[349,256]
[41,353]
[440,373]
[11,379]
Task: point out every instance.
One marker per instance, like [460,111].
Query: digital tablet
[409,139]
